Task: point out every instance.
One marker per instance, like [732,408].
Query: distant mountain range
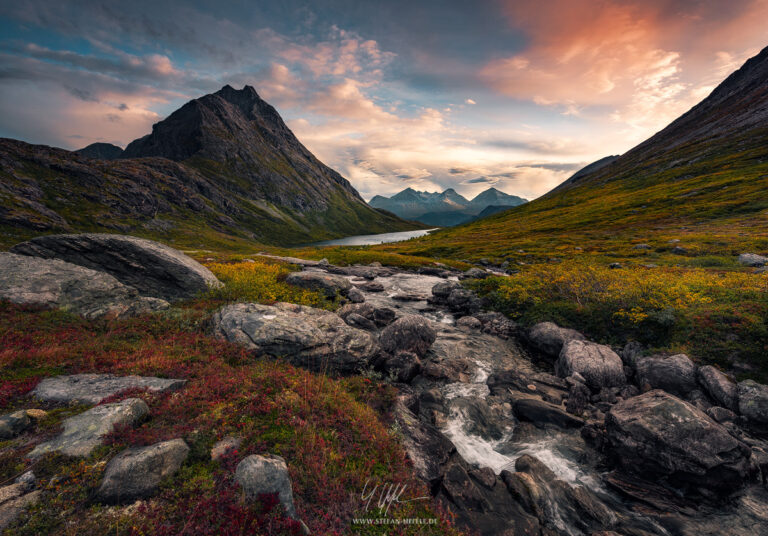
[444,209]
[223,169]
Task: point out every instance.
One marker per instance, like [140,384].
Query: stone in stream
[53,283]
[549,338]
[355,296]
[719,387]
[93,388]
[404,366]
[152,268]
[136,473]
[542,413]
[658,435]
[753,402]
[409,333]
[598,364]
[675,374]
[329,284]
[84,432]
[311,338]
[371,286]
[442,290]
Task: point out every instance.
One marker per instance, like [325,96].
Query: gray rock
[427,448]
[675,374]
[152,268]
[84,432]
[266,475]
[578,398]
[719,387]
[14,424]
[28,479]
[360,322]
[329,284]
[93,388]
[721,415]
[409,333]
[383,316]
[614,265]
[642,246]
[136,473]
[474,273]
[310,338]
[59,284]
[657,434]
[541,413]
[355,296]
[363,309]
[753,260]
[753,401]
[631,352]
[463,301]
[371,286]
[678,250]
[469,322]
[549,338]
[598,364]
[13,501]
[403,365]
[444,288]
[225,446]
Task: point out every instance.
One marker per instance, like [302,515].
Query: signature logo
[388,494]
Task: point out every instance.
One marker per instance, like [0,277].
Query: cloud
[469,101]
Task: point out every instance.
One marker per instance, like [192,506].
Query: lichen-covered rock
[598,364]
[656,434]
[14,424]
[306,337]
[675,374]
[549,338]
[93,388]
[719,387]
[84,432]
[152,268]
[54,283]
[137,472]
[409,333]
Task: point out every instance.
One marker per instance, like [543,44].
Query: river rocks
[753,401]
[475,273]
[719,387]
[542,413]
[14,424]
[463,301]
[306,337]
[578,398]
[371,286]
[152,268]
[599,365]
[427,448]
[266,475]
[442,290]
[497,324]
[84,432]
[355,296]
[410,333]
[657,434]
[360,322]
[675,374]
[753,260]
[59,284]
[329,284]
[137,472]
[93,388]
[404,366]
[469,322]
[721,415]
[549,338]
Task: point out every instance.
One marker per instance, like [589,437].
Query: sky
[428,94]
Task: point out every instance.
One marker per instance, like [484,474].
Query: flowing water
[369,240]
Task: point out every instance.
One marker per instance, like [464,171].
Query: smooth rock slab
[84,432]
[598,364]
[657,434]
[306,337]
[136,473]
[152,268]
[58,284]
[93,388]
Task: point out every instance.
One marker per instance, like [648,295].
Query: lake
[370,240]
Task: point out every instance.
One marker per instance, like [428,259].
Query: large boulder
[59,284]
[260,475]
[598,364]
[675,374]
[84,432]
[152,268]
[310,338]
[549,338]
[753,401]
[752,259]
[409,333]
[719,387]
[136,473]
[658,435]
[93,388]
[329,284]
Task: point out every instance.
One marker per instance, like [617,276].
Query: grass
[334,434]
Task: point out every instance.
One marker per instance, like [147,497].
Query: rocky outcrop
[53,283]
[137,472]
[306,337]
[675,374]
[93,388]
[410,333]
[719,387]
[658,435]
[599,365]
[549,338]
[152,268]
[84,432]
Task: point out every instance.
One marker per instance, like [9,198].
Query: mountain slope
[222,170]
[702,180]
[102,151]
[494,197]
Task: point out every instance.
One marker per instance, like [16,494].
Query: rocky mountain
[224,169]
[102,151]
[442,209]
